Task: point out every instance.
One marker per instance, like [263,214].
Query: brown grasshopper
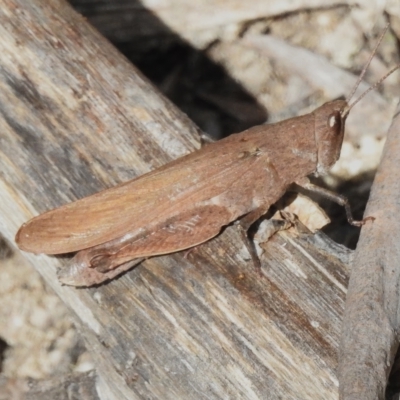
[188,201]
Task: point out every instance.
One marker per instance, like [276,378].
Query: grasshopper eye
[335,122]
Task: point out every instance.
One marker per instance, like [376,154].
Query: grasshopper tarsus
[275,225]
[338,199]
[205,139]
[362,222]
[251,248]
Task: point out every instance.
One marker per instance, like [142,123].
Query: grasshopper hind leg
[77,273]
[96,264]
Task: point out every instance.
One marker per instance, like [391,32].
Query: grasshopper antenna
[395,68]
[360,78]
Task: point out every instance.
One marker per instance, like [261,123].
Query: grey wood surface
[370,337]
[75,118]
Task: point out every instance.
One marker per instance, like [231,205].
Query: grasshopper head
[329,131]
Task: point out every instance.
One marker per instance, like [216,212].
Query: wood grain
[370,338]
[75,118]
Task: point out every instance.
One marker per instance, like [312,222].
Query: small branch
[370,336]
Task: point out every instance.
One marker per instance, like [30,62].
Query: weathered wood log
[370,337]
[76,117]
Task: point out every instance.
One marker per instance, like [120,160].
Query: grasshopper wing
[141,203]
